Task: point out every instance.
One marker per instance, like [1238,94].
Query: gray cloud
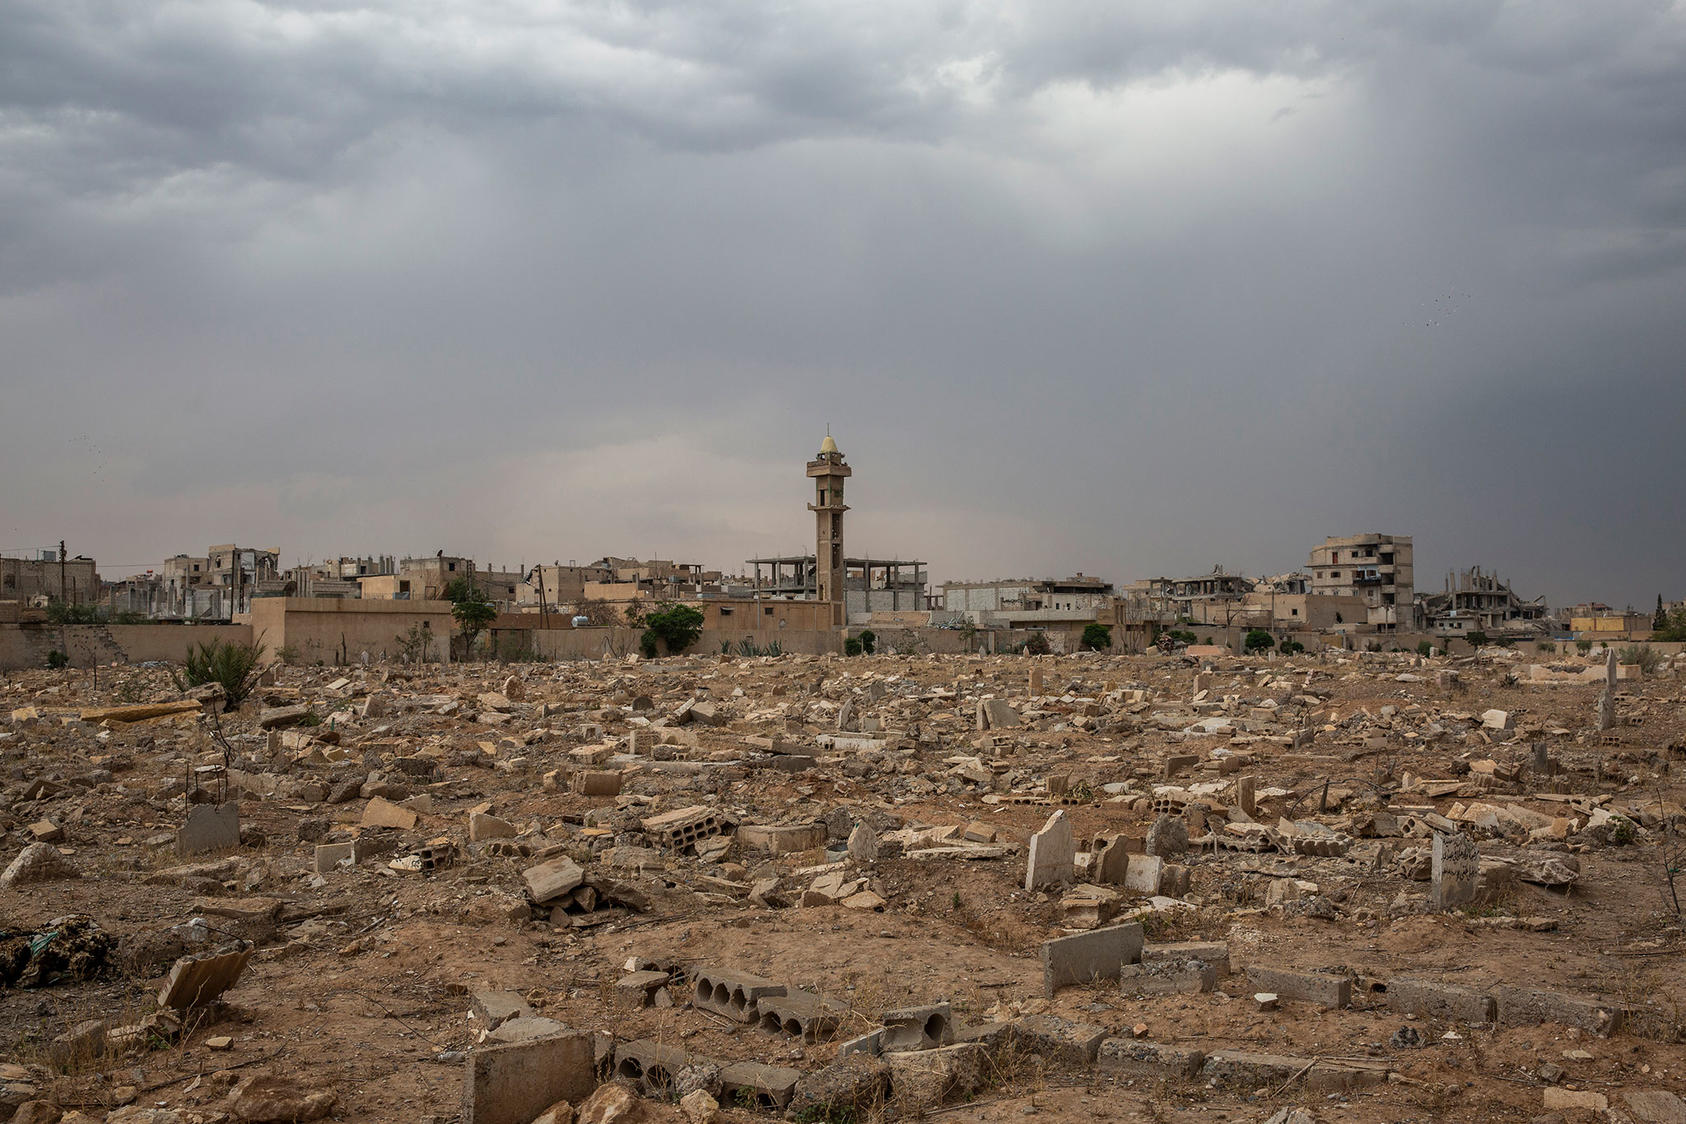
[1129,288]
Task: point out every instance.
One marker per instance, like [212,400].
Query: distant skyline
[1131,289]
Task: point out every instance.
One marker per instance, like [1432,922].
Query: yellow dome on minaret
[828,445]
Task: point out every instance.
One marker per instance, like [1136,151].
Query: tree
[869,641]
[1674,629]
[671,627]
[1660,620]
[597,612]
[1258,640]
[471,607]
[1097,637]
[1038,644]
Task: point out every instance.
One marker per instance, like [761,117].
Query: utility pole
[543,619]
[62,586]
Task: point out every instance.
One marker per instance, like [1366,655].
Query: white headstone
[1053,853]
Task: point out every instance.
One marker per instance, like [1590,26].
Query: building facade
[1374,568]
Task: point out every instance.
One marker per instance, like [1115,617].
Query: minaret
[828,472]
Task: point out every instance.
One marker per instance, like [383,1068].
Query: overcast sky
[1126,288]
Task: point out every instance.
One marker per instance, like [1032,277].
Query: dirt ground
[364,976]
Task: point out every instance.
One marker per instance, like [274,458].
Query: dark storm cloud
[1132,288]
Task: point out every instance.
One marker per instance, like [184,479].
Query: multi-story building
[1374,568]
[1473,601]
[51,575]
[1018,602]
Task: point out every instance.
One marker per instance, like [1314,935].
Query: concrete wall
[617,643]
[90,644]
[332,631]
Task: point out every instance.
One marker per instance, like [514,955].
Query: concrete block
[381,812]
[1440,1001]
[494,1008]
[781,839]
[652,1066]
[1143,874]
[1307,987]
[1654,1106]
[1215,953]
[735,995]
[597,782]
[526,1028]
[870,1043]
[681,828]
[513,1083]
[801,1014]
[1521,1006]
[1099,954]
[764,1086]
[1169,977]
[1061,1042]
[550,880]
[482,827]
[918,1028]
[196,980]
[923,1079]
[1053,853]
[330,855]
[209,827]
[1239,1069]
[1133,1057]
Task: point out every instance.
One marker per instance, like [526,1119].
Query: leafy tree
[1258,640]
[1096,637]
[597,612]
[869,641]
[1660,620]
[471,607]
[1674,629]
[852,646]
[1477,637]
[1291,648]
[671,627]
[62,612]
[1425,648]
[1037,644]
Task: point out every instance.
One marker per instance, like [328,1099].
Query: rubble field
[1358,887]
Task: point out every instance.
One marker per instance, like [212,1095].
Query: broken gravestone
[1053,853]
[1456,866]
[209,827]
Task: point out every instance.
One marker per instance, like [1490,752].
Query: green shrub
[1478,638]
[233,666]
[1583,646]
[1291,648]
[1258,640]
[672,628]
[1096,637]
[1425,648]
[57,659]
[1037,644]
[869,641]
[1647,657]
[852,647]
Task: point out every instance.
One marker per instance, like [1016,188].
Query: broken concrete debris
[759,884]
